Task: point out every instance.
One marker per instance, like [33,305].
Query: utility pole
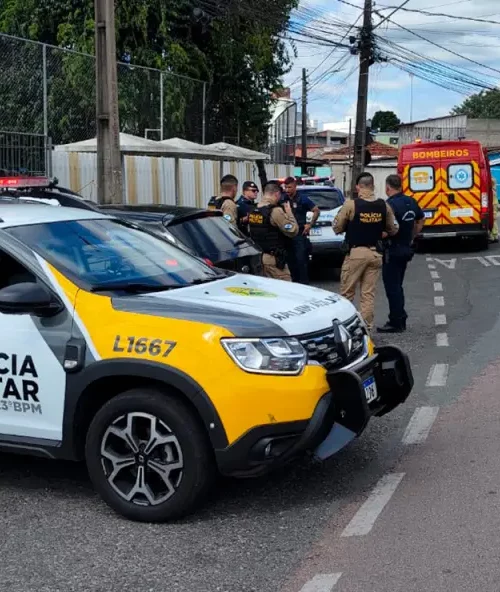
[365,60]
[109,167]
[304,120]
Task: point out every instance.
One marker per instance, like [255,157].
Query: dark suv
[203,233]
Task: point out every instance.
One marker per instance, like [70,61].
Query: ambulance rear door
[424,184]
[461,186]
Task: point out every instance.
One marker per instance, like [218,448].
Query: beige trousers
[362,267]
[271,271]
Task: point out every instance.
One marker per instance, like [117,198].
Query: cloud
[333,98]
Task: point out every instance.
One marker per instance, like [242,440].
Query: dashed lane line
[438,300]
[438,375]
[321,583]
[435,275]
[438,287]
[442,340]
[431,266]
[365,518]
[440,319]
[420,425]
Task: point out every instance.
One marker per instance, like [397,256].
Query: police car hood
[248,306]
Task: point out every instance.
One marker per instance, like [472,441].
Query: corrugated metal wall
[149,179]
[449,128]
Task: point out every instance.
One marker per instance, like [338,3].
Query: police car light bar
[23,182]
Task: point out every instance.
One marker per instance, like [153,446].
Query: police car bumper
[374,387]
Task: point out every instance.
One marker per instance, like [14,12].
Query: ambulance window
[460,176]
[421,178]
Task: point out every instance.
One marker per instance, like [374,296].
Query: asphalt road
[409,506]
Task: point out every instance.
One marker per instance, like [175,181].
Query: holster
[280,256]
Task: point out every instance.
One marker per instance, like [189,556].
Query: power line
[443,47]
[392,14]
[451,16]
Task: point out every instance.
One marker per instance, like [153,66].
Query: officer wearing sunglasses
[246,203]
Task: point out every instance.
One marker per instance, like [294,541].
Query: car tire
[166,459]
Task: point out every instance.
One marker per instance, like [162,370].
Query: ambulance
[451,182]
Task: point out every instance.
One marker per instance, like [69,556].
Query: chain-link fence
[51,91]
[282,134]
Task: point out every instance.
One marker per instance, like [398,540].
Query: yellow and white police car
[158,370]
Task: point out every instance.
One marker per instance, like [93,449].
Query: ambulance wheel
[148,457]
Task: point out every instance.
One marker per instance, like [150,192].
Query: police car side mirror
[28,298]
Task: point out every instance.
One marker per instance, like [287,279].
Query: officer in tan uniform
[365,221]
[226,203]
[270,226]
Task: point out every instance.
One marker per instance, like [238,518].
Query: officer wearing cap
[226,203]
[398,252]
[364,220]
[246,204]
[298,249]
[271,225]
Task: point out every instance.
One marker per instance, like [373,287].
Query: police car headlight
[267,356]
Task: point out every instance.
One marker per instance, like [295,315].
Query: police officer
[226,203]
[364,220]
[298,249]
[246,204]
[398,252]
[271,225]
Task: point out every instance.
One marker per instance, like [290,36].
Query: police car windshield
[325,199]
[110,254]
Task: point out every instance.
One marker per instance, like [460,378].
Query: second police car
[118,348]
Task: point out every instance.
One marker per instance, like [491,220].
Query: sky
[334,98]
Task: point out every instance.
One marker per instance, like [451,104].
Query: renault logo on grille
[343,340]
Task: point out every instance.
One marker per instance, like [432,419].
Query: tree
[484,105]
[238,51]
[385,121]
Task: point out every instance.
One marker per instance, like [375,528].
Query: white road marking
[364,519]
[449,263]
[440,319]
[438,300]
[434,275]
[431,266]
[493,259]
[438,287]
[442,340]
[481,260]
[420,425]
[321,583]
[438,375]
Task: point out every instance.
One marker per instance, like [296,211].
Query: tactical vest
[268,237]
[368,224]
[215,202]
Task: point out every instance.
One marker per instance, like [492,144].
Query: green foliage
[385,121]
[484,105]
[239,53]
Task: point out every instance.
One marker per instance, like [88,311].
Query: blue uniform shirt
[301,205]
[407,212]
[244,206]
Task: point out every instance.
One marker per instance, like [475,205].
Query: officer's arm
[419,220]
[316,212]
[343,217]
[230,211]
[391,226]
[284,222]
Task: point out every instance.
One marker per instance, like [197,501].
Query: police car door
[32,348]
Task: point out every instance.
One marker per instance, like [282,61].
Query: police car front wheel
[148,457]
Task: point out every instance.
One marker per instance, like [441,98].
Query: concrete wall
[380,172]
[486,131]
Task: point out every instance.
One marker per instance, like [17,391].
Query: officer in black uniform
[270,226]
[399,252]
[246,203]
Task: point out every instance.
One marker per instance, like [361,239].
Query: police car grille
[322,348]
